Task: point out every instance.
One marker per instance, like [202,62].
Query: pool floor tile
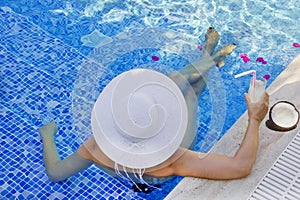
[35,88]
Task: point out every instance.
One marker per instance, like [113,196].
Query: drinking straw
[254,79]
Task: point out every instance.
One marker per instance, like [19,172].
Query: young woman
[184,162]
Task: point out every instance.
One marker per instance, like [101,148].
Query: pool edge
[271,145]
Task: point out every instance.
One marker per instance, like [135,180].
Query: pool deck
[284,87]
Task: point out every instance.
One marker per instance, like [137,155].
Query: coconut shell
[273,126]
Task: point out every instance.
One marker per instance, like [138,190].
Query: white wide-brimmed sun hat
[140,119]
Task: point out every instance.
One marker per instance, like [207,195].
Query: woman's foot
[211,40]
[49,129]
[222,53]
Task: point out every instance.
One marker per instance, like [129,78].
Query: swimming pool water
[47,49]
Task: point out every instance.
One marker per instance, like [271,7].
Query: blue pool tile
[30,43]
[22,174]
[32,99]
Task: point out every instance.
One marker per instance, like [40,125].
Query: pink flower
[200,47]
[267,76]
[155,58]
[296,45]
[261,60]
[243,55]
[246,59]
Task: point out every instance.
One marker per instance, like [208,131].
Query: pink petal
[259,59]
[246,59]
[296,45]
[243,55]
[267,76]
[155,58]
[200,47]
[264,62]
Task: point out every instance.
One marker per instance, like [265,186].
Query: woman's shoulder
[91,151]
[87,149]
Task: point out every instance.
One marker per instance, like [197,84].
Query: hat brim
[131,138]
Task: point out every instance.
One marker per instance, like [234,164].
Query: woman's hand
[257,111]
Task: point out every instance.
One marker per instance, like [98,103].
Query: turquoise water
[56,57]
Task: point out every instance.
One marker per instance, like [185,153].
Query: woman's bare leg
[212,38]
[195,74]
[56,168]
[203,68]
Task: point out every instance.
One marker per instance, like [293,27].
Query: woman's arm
[215,166]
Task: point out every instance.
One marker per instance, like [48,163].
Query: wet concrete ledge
[285,87]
